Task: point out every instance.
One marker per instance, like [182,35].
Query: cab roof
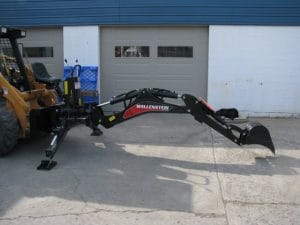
[9,32]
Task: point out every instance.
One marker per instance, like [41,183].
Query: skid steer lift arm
[141,101]
[153,100]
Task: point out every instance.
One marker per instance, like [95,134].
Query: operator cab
[11,62]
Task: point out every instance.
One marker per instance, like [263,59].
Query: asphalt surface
[155,169]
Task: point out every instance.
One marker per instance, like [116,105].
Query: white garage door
[138,57]
[46,46]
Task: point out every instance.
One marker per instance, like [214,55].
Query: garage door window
[175,51]
[132,51]
[37,52]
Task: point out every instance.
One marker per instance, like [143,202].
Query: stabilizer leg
[96,131]
[58,136]
[92,121]
[50,152]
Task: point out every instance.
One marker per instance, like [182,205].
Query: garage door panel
[183,84]
[137,69]
[175,62]
[131,85]
[172,77]
[125,63]
[120,87]
[174,69]
[46,37]
[184,74]
[133,75]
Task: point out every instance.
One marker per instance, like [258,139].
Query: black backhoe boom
[138,102]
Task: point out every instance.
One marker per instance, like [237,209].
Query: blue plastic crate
[88,81]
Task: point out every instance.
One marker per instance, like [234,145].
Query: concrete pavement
[155,169]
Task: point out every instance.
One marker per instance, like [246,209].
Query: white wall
[255,69]
[82,43]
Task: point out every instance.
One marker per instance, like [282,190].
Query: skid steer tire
[9,129]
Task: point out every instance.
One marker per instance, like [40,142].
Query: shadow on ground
[100,170]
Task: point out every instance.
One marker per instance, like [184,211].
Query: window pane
[8,62]
[132,51]
[38,52]
[175,51]
[6,48]
[118,51]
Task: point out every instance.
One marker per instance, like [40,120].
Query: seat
[42,75]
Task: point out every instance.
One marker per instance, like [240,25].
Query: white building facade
[249,60]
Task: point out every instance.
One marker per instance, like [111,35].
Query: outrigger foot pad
[47,165]
[96,132]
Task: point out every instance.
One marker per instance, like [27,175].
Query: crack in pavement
[242,203]
[261,203]
[217,173]
[75,189]
[202,215]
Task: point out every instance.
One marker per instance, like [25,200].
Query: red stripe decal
[207,104]
[143,108]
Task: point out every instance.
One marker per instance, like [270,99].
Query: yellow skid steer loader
[25,104]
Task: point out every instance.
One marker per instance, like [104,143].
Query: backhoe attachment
[152,100]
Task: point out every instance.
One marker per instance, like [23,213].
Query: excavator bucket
[256,133]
